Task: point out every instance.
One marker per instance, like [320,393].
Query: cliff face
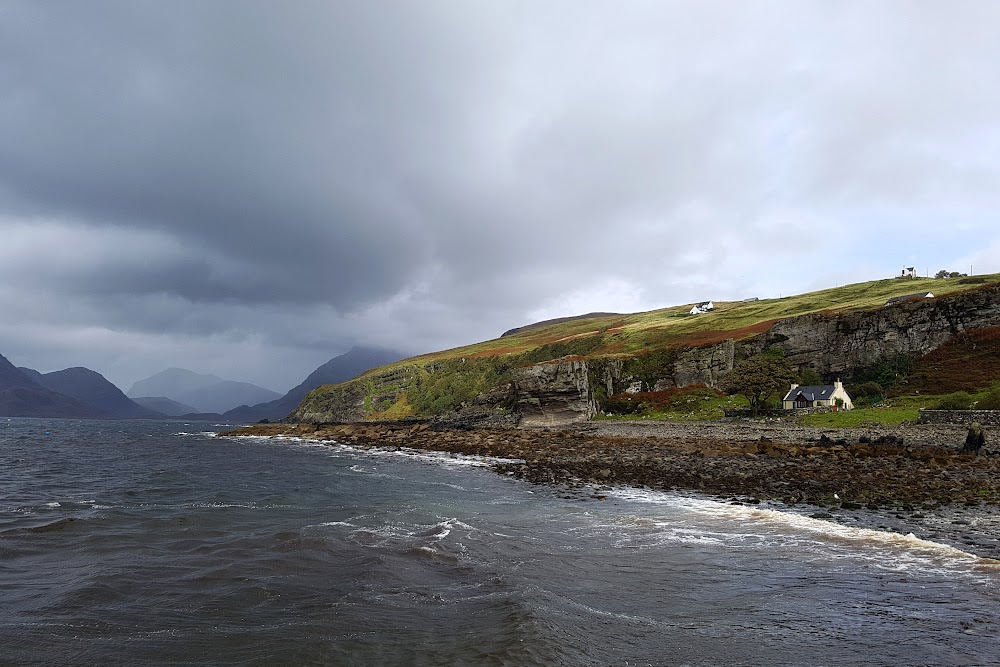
[552,394]
[839,344]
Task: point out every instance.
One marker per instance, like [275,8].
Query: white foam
[800,536]
[446,459]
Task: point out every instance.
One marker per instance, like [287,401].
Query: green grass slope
[433,383]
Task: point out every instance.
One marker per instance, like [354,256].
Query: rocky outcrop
[553,394]
[700,366]
[345,402]
[839,343]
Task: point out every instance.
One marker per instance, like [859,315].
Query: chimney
[838,384]
[794,387]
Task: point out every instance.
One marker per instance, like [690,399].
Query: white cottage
[702,307]
[817,396]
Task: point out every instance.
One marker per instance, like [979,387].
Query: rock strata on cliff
[553,393]
[841,343]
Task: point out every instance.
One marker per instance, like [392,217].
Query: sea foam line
[449,459]
[774,527]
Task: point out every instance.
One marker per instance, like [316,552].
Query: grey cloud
[426,174]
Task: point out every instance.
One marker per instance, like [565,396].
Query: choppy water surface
[150,543]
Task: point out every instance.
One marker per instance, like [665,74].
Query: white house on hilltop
[817,396]
[702,307]
[908,272]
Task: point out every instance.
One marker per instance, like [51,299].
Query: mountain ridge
[338,369]
[21,396]
[92,389]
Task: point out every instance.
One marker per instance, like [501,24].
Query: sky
[249,188]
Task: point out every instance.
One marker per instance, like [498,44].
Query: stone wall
[776,412]
[984,417]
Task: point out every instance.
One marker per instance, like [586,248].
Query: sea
[162,543]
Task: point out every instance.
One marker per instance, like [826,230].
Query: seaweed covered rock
[975,440]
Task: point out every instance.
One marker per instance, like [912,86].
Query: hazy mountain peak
[172,381]
[206,393]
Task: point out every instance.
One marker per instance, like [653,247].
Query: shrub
[623,404]
[650,367]
[866,393]
[887,371]
[960,400]
[676,399]
[757,378]
[991,401]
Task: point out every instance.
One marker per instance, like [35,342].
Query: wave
[446,459]
[706,521]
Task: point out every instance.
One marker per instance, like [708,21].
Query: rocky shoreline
[910,467]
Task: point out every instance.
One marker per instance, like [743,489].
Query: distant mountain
[92,389]
[339,369]
[225,395]
[21,396]
[203,417]
[164,405]
[204,393]
[171,383]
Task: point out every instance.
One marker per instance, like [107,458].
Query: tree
[809,377]
[757,378]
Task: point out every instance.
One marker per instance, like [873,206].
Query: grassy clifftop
[434,383]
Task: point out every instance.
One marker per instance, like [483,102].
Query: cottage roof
[908,297]
[703,304]
[814,393]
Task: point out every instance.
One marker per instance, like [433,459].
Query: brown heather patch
[572,357]
[716,336]
[968,362]
[612,348]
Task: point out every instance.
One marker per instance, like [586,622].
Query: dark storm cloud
[276,178]
[277,136]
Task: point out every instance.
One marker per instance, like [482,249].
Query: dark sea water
[154,543]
